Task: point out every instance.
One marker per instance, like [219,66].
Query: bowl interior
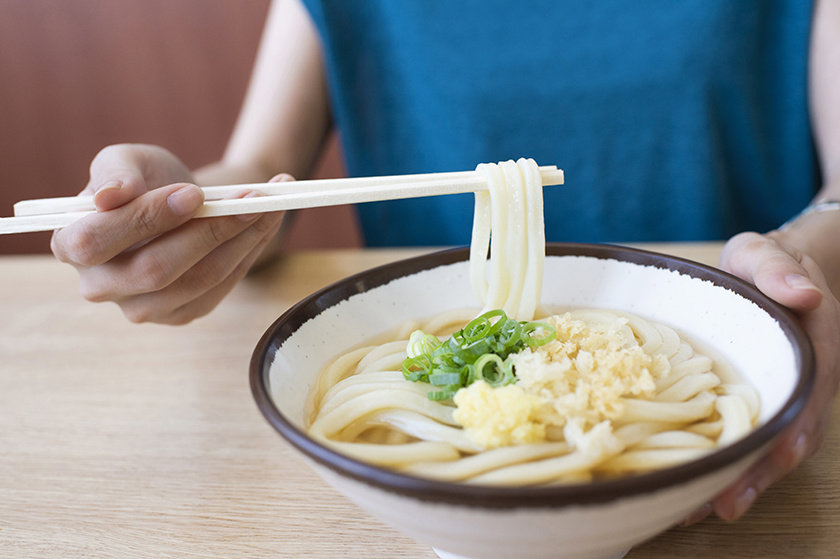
[724,316]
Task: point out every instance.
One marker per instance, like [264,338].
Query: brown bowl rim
[512,497]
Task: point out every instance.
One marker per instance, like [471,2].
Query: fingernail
[110,185]
[185,201]
[798,281]
[799,448]
[744,502]
[100,197]
[249,217]
[282,177]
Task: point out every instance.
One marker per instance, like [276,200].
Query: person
[673,121]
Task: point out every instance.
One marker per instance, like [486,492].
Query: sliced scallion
[478,351]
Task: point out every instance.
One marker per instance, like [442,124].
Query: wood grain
[123,440]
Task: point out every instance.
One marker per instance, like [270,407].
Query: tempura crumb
[580,378]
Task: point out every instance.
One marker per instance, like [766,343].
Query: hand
[143,251]
[794,280]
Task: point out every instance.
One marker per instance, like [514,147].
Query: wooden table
[122,440]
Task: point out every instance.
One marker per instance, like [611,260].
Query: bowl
[603,519]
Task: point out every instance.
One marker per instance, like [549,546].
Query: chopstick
[47,214]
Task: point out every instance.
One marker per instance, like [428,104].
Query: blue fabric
[673,120]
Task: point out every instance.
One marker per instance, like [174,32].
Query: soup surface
[600,394]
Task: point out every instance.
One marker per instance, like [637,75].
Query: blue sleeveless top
[672,120]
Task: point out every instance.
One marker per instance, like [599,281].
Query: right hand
[142,250]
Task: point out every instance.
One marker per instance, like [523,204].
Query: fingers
[776,270]
[737,499]
[199,306]
[203,285]
[795,281]
[120,176]
[182,272]
[162,260]
[798,443]
[100,237]
[698,515]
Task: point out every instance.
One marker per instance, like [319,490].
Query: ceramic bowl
[602,519]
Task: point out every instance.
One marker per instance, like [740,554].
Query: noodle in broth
[614,394]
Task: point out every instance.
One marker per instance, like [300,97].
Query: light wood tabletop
[122,440]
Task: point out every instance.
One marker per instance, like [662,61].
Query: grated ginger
[502,416]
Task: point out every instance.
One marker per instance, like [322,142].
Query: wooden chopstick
[54,213]
[550,174]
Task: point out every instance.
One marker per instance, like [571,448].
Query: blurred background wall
[77,75]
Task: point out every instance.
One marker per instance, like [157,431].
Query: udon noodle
[600,393]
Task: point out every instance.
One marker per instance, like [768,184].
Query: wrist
[815,208]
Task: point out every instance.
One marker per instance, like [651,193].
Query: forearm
[818,234]
[794,266]
[285,118]
[220,173]
[284,121]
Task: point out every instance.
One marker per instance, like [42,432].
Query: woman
[676,121]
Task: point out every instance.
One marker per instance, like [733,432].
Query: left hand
[793,279]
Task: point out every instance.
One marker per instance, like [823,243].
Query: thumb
[779,272]
[113,193]
[115,177]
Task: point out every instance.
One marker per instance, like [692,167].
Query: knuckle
[216,232]
[92,292]
[136,315]
[146,221]
[152,273]
[57,248]
[140,310]
[207,274]
[750,241]
[267,224]
[264,229]
[81,246]
[102,155]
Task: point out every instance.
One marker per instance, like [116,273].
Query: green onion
[547,331]
[442,379]
[478,351]
[420,343]
[445,394]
